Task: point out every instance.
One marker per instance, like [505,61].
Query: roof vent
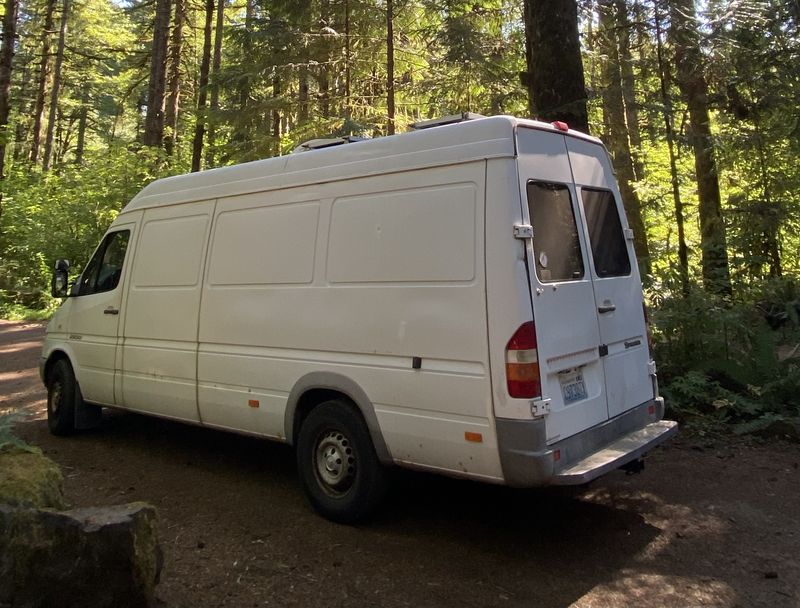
[318,144]
[445,120]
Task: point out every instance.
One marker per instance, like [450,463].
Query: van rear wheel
[62,399]
[339,470]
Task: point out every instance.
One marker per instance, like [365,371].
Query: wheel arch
[318,387]
[52,358]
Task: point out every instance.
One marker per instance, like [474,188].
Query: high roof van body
[462,299]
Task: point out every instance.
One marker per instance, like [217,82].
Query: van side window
[609,249]
[556,245]
[104,269]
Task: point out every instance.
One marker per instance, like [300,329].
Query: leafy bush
[731,361]
[62,215]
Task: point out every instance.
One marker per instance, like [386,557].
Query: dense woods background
[699,104]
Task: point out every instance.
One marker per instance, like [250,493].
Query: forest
[697,102]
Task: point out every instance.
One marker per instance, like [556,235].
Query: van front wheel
[339,470]
[62,396]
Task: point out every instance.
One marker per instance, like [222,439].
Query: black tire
[339,470]
[62,399]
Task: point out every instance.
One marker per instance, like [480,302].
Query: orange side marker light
[473,437]
[253,403]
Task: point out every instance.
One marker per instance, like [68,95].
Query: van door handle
[111,311]
[606,308]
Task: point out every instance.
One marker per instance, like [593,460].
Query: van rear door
[564,307]
[615,275]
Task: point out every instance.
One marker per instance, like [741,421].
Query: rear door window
[556,245]
[609,249]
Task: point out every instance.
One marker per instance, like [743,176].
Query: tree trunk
[666,104]
[44,77]
[241,138]
[629,87]
[6,58]
[556,89]
[154,120]
[694,89]
[390,125]
[303,90]
[591,49]
[174,60]
[244,91]
[216,64]
[647,69]
[83,116]
[51,121]
[325,68]
[614,113]
[525,76]
[302,113]
[347,59]
[276,114]
[770,246]
[199,129]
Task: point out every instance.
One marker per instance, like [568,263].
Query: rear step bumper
[528,461]
[621,452]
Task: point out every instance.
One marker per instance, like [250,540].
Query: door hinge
[540,407]
[651,368]
[629,233]
[603,348]
[523,231]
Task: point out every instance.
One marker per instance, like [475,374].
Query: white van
[462,299]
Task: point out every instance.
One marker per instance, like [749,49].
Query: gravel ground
[705,524]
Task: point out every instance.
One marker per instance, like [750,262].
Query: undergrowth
[730,363]
[13,307]
[7,437]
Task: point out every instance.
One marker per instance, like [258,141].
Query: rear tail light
[522,363]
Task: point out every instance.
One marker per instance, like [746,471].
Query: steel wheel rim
[55,397]
[334,462]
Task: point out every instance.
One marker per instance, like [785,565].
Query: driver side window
[103,271]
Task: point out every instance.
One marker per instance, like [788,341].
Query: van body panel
[340,384]
[564,312]
[508,299]
[380,289]
[384,156]
[622,330]
[528,460]
[92,327]
[159,350]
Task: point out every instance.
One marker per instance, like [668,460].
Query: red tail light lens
[522,363]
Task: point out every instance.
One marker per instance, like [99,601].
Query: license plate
[573,388]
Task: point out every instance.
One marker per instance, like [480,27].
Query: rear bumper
[528,461]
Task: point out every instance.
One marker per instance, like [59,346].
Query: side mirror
[59,284]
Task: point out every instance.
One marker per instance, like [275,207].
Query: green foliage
[734,362]
[7,437]
[62,215]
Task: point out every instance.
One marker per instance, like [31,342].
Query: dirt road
[703,525]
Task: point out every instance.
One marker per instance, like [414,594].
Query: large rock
[98,557]
[29,479]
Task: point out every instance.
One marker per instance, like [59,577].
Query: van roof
[437,146]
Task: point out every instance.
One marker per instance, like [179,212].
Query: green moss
[28,478]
